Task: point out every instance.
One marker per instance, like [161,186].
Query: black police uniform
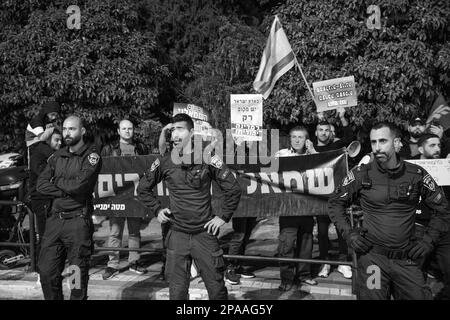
[388,200]
[439,259]
[70,179]
[190,204]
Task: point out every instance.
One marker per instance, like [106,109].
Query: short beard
[72,141]
[416,135]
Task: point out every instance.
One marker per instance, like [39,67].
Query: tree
[108,69]
[399,69]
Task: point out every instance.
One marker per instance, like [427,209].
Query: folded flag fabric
[440,111]
[278,58]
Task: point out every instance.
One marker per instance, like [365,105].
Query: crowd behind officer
[69,178]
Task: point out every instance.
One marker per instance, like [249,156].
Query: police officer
[69,177]
[439,260]
[389,189]
[193,225]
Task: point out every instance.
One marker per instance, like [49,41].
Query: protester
[40,204]
[125,146]
[386,238]
[296,233]
[416,128]
[42,125]
[69,178]
[193,226]
[326,142]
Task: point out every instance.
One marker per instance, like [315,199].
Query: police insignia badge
[93,158]
[216,162]
[429,182]
[348,179]
[155,165]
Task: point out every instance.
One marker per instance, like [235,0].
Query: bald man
[69,179]
[125,146]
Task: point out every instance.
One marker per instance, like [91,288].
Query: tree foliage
[135,58]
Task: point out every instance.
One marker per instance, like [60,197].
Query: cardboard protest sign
[439,169]
[246,116]
[335,93]
[199,115]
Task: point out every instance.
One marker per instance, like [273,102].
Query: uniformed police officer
[389,189]
[69,177]
[193,225]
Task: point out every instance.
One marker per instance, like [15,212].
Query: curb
[20,285]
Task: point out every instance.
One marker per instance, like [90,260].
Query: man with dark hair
[296,233]
[389,190]
[416,128]
[193,226]
[439,260]
[429,147]
[40,203]
[125,146]
[69,178]
[326,142]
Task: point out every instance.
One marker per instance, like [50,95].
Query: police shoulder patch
[429,182]
[93,158]
[216,162]
[155,165]
[348,179]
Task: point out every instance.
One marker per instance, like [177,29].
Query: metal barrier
[31,244]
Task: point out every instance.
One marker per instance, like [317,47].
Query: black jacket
[39,153]
[389,199]
[189,191]
[70,178]
[113,149]
[347,138]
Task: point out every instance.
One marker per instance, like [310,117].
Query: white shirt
[288,152]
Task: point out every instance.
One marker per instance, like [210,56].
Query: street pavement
[17,283]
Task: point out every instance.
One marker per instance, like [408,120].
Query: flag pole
[304,78]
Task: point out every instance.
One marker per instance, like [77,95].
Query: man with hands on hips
[193,227]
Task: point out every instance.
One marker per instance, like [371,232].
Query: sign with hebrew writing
[246,116]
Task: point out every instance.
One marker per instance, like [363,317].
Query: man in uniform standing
[193,226]
[69,177]
[389,256]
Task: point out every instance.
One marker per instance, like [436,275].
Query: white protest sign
[198,115]
[246,116]
[439,169]
[335,93]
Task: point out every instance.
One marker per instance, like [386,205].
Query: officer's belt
[70,214]
[399,254]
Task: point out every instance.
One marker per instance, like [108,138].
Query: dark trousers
[295,241]
[165,227]
[40,209]
[323,223]
[204,249]
[402,279]
[242,229]
[71,239]
[439,260]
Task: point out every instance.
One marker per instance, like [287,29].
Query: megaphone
[353,149]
